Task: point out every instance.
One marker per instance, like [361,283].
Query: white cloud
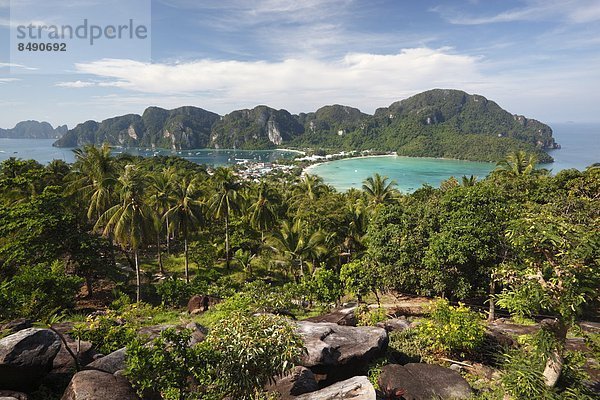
[361,79]
[76,84]
[7,80]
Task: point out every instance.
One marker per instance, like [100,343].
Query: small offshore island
[152,276]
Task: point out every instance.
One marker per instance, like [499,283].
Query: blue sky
[534,57]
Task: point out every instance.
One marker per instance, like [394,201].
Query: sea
[580,147]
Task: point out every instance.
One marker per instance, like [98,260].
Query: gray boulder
[339,352]
[110,363]
[298,381]
[356,388]
[26,356]
[343,316]
[11,395]
[97,385]
[395,324]
[424,382]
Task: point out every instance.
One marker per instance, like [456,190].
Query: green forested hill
[435,123]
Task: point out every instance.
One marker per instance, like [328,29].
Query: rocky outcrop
[12,395]
[200,303]
[97,385]
[110,363]
[395,324]
[26,356]
[340,351]
[343,316]
[33,130]
[424,382]
[356,388]
[299,380]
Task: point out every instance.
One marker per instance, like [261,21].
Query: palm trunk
[185,255]
[160,263]
[88,285]
[227,240]
[137,277]
[492,309]
[168,236]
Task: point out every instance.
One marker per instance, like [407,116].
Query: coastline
[306,170]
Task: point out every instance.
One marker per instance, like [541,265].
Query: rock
[395,324]
[298,381]
[356,388]
[343,316]
[110,363]
[16,325]
[64,362]
[26,356]
[340,351]
[152,332]
[97,385]
[11,395]
[424,382]
[199,304]
[198,332]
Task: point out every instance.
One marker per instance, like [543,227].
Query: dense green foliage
[291,245]
[435,123]
[238,358]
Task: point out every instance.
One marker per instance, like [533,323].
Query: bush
[522,376]
[38,292]
[452,329]
[174,292]
[166,365]
[238,358]
[370,316]
[324,286]
[250,351]
[116,328]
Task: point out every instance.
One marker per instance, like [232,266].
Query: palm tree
[161,191]
[261,213]
[293,243]
[379,190]
[518,163]
[94,177]
[185,213]
[131,221]
[226,202]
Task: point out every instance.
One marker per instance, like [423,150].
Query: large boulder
[26,356]
[424,382]
[97,385]
[12,395]
[110,363]
[343,316]
[298,381]
[356,388]
[198,304]
[340,351]
[395,324]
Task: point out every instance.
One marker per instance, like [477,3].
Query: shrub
[166,365]
[360,278]
[38,291]
[522,376]
[250,351]
[324,286]
[174,292]
[370,316]
[452,329]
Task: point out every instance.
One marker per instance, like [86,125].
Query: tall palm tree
[226,202]
[518,163]
[292,242]
[379,190]
[261,213]
[185,213]
[161,188]
[94,177]
[131,221]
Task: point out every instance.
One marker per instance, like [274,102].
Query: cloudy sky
[540,58]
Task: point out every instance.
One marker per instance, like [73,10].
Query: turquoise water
[580,148]
[408,172]
[42,151]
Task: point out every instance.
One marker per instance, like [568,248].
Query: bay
[580,148]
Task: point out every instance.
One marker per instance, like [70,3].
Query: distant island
[33,130]
[436,123]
